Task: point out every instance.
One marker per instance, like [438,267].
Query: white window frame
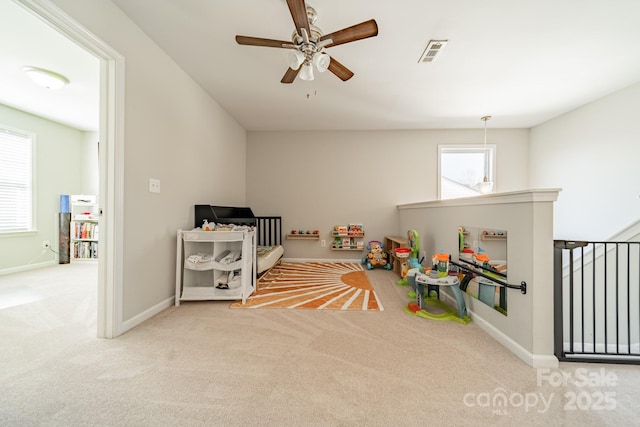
[30,137]
[490,157]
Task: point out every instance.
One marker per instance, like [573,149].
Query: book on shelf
[341,230]
[85,250]
[85,230]
[356,230]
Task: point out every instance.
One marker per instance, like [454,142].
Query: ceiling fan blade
[298,11]
[340,70]
[290,75]
[350,34]
[257,41]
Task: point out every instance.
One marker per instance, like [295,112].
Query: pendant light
[486,186]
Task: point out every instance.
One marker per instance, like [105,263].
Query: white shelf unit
[84,228]
[197,281]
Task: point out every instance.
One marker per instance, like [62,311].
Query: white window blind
[16,180]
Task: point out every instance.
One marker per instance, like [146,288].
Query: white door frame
[111,151]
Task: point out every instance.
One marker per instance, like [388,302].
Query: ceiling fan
[308,43]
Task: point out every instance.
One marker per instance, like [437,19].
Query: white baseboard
[146,315]
[27,267]
[358,261]
[533,360]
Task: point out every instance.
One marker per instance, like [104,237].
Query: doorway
[111,130]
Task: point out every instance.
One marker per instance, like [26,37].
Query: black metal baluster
[628,299]
[582,297]
[606,317]
[593,286]
[558,321]
[571,301]
[617,303]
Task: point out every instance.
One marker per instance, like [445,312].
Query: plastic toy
[425,290]
[481,257]
[412,258]
[441,264]
[375,256]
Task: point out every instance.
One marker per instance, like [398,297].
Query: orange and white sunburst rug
[315,285]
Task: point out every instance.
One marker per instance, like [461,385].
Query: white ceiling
[27,41]
[521,62]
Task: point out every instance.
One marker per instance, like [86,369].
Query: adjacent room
[383,149]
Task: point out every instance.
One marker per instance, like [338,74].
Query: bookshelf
[84,228]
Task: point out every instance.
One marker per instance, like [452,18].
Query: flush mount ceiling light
[46,78]
[485,186]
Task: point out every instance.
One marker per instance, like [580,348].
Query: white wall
[316,180]
[58,160]
[174,132]
[90,169]
[527,217]
[592,154]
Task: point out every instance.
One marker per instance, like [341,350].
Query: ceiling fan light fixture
[46,78]
[295,58]
[321,61]
[306,73]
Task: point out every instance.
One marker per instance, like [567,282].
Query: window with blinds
[16,180]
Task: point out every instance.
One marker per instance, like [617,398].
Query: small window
[16,180]
[463,168]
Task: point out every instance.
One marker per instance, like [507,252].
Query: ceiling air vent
[433,49]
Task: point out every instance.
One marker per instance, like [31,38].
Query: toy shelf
[391,243]
[348,237]
[303,236]
[347,234]
[493,235]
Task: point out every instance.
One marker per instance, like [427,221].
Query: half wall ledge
[527,330]
[523,196]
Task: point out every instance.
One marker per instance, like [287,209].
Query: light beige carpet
[315,285]
[202,364]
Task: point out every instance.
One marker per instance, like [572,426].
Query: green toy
[412,260]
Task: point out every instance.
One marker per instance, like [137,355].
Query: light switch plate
[154,185]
